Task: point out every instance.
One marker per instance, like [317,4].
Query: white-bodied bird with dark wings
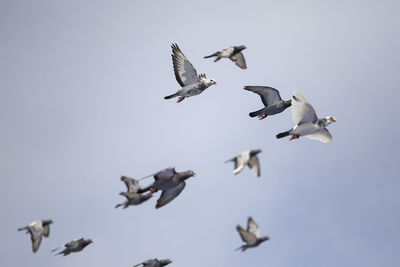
[249,158]
[250,237]
[233,53]
[37,230]
[186,75]
[306,121]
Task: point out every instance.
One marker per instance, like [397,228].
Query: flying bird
[74,246]
[306,121]
[133,199]
[37,229]
[153,263]
[271,99]
[249,158]
[233,53]
[251,236]
[170,182]
[186,75]
[132,185]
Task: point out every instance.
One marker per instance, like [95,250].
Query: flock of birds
[171,183]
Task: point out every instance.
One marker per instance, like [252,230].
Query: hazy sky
[81,103]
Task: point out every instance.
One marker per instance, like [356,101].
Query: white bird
[186,76]
[249,158]
[37,229]
[306,121]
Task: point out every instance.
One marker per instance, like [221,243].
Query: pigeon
[248,157]
[132,195]
[186,75]
[233,53]
[74,246]
[271,99]
[37,229]
[251,236]
[133,199]
[154,263]
[170,182]
[306,121]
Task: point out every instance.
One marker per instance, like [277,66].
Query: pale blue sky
[81,103]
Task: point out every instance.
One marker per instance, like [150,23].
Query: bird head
[188,174]
[210,82]
[255,152]
[89,241]
[328,120]
[165,262]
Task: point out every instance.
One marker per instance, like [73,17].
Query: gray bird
[249,158]
[74,246]
[133,199]
[186,76]
[170,182]
[132,195]
[233,53]
[271,99]
[153,263]
[306,121]
[251,236]
[37,229]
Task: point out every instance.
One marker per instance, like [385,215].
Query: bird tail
[229,160]
[171,96]
[23,228]
[213,55]
[284,134]
[255,113]
[243,248]
[119,205]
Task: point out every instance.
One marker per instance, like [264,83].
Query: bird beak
[334,119]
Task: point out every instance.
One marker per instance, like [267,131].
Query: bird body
[132,195]
[233,53]
[75,245]
[271,99]
[307,122]
[249,158]
[37,229]
[170,182]
[186,75]
[251,236]
[154,263]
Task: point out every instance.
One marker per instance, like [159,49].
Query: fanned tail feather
[171,96]
[213,55]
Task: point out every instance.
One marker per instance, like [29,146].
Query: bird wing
[36,236]
[252,227]
[165,174]
[322,135]
[168,195]
[268,94]
[302,111]
[184,71]
[46,230]
[72,244]
[254,165]
[239,60]
[246,236]
[132,185]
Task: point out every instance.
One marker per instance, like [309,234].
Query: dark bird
[306,121]
[74,246]
[186,76]
[233,53]
[132,195]
[170,182]
[37,229]
[153,263]
[249,158]
[251,236]
[273,103]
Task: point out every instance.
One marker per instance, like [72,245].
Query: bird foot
[153,190]
[180,99]
[294,136]
[261,117]
[215,60]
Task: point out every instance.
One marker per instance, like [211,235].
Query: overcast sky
[81,103]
